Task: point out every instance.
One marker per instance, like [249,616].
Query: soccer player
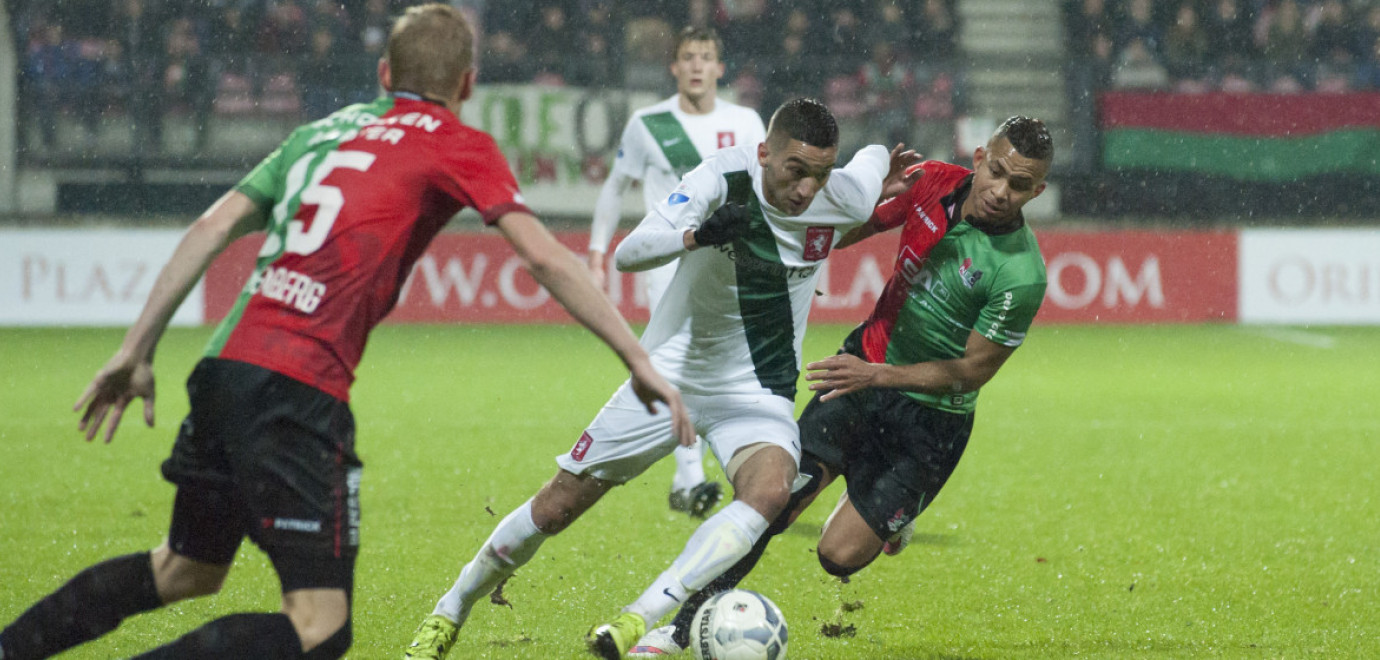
[349,203]
[894,408]
[660,144]
[751,227]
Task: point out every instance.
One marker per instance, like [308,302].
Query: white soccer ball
[738,625]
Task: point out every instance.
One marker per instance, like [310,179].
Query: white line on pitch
[1296,336]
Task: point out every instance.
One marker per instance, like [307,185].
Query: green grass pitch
[1175,492]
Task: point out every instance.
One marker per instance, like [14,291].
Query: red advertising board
[1139,277]
[1116,277]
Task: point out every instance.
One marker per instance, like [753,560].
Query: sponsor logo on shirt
[581,446]
[726,139]
[910,265]
[818,240]
[667,144]
[677,198]
[926,218]
[969,274]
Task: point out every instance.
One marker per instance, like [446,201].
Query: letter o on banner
[1092,280]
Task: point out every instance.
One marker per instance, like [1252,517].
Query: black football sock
[91,604]
[730,578]
[248,635]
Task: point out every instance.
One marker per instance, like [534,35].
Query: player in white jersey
[751,227]
[660,144]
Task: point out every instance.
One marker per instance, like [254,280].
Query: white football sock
[689,466]
[512,544]
[719,543]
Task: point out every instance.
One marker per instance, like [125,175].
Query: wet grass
[1186,491]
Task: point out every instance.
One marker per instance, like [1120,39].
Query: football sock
[730,578]
[247,635]
[512,544]
[716,545]
[91,604]
[689,466]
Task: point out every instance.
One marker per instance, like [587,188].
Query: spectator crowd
[1281,46]
[884,62]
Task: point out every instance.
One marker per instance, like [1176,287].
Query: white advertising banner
[1322,276]
[85,276]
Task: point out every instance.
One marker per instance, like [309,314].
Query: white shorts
[624,440]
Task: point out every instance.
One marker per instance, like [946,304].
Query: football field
[1155,492]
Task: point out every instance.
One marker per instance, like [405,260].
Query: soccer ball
[738,625]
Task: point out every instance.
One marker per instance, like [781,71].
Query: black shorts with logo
[266,456]
[895,453]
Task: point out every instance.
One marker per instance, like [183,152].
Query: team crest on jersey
[726,139]
[581,447]
[818,241]
[677,198]
[968,274]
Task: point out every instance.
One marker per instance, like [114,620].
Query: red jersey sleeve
[479,176]
[892,213]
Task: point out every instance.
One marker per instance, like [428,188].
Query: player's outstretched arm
[607,210]
[557,269]
[128,375]
[844,373]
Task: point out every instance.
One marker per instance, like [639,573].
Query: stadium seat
[281,95]
[234,95]
[843,95]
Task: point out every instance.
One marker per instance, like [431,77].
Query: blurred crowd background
[894,67]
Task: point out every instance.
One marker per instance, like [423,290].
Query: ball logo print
[738,625]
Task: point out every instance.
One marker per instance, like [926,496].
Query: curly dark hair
[804,119]
[1029,137]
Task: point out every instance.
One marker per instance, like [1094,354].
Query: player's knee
[179,578]
[838,569]
[331,647]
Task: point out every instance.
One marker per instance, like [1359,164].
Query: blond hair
[429,49]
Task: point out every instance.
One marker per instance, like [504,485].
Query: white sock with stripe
[689,466]
[512,544]
[719,543]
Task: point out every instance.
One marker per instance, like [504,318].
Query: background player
[660,144]
[751,229]
[894,409]
[349,203]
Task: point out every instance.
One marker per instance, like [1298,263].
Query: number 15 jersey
[352,201]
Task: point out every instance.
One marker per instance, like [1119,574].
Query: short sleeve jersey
[661,143]
[734,315]
[353,201]
[950,279]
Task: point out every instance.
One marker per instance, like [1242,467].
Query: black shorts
[895,453]
[263,455]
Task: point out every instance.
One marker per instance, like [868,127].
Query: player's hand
[727,223]
[650,387]
[898,180]
[841,374]
[118,383]
[596,269]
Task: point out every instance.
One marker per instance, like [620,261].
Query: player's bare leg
[513,543]
[762,488]
[848,544]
